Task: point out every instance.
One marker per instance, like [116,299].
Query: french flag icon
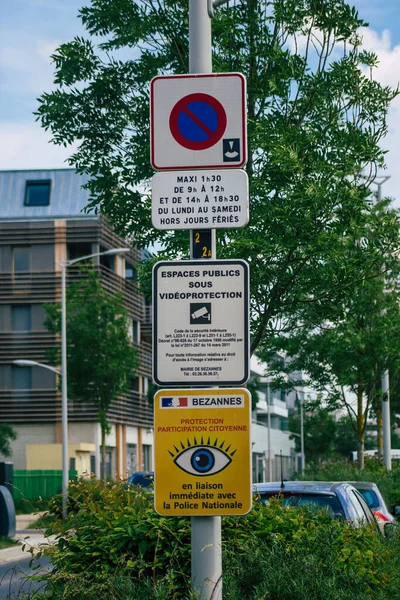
[173,402]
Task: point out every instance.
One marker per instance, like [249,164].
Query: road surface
[14,576]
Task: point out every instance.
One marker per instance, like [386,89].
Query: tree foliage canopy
[319,432]
[7,435]
[101,359]
[315,119]
[346,357]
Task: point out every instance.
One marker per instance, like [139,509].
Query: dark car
[143,479]
[342,500]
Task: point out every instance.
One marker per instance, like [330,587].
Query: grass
[26,507]
[6,542]
[42,522]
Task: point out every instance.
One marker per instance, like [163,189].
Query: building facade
[43,225]
[273,452]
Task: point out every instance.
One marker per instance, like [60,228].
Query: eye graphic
[204,458]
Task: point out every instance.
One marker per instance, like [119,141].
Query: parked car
[373,497]
[341,499]
[143,479]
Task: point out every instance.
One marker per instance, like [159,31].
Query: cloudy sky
[30,30]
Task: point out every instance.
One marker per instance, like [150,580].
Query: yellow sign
[202,452]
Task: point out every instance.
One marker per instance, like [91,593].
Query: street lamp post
[269,430]
[386,434]
[303,456]
[63,372]
[301,434]
[34,363]
[64,398]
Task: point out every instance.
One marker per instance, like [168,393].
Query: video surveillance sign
[201,322]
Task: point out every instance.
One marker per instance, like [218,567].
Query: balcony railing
[25,344]
[29,406]
[39,406]
[44,287]
[28,287]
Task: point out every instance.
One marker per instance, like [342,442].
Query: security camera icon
[200,313]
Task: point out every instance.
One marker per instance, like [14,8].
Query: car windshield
[142,479]
[315,501]
[370,498]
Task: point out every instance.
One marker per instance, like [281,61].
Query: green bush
[115,529]
[296,553]
[114,546]
[117,587]
[339,470]
[311,570]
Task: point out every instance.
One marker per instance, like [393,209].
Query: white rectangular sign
[200,199]
[201,322]
[198,121]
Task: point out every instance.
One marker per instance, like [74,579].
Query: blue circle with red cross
[197,121]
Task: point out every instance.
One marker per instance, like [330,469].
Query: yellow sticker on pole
[202,452]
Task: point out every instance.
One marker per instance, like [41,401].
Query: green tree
[319,431]
[7,435]
[101,360]
[254,386]
[351,353]
[315,120]
[394,383]
[346,438]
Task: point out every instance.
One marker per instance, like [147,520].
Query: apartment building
[273,452]
[43,225]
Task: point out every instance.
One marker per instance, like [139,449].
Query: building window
[145,386]
[135,332]
[130,272]
[107,260]
[284,424]
[108,464]
[37,193]
[131,458]
[147,457]
[22,378]
[258,464]
[78,249]
[22,259]
[21,318]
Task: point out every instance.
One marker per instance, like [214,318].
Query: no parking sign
[198,121]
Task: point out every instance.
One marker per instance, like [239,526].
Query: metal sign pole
[386,433]
[206,553]
[200,61]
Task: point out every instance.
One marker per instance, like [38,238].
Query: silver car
[341,499]
[373,497]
